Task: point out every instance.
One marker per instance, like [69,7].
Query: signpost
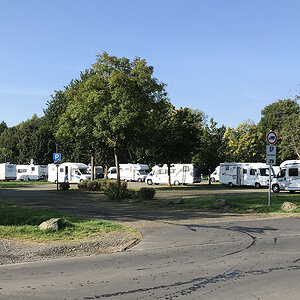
[57,160]
[271,158]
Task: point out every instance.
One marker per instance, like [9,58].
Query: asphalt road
[178,258]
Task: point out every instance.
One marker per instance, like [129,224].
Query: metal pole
[270,179]
[57,177]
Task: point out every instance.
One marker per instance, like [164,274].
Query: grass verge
[239,203]
[23,223]
[15,184]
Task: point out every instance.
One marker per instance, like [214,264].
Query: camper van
[247,174]
[8,172]
[71,172]
[32,172]
[288,177]
[180,174]
[215,175]
[129,172]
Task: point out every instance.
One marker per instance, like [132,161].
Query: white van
[215,175]
[288,177]
[71,172]
[8,172]
[245,174]
[180,174]
[32,172]
[129,172]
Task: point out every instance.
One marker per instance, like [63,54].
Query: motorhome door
[238,176]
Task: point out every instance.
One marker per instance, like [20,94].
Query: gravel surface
[13,251]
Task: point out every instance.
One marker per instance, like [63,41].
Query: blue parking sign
[56,157]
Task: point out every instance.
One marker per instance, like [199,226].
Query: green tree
[212,148]
[176,136]
[112,106]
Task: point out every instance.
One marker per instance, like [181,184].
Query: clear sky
[227,58]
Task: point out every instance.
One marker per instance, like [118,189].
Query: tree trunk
[169,174]
[92,168]
[117,166]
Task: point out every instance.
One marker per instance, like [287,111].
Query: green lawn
[22,223]
[240,203]
[14,184]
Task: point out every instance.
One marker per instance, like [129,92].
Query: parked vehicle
[180,174]
[98,172]
[288,177]
[8,172]
[215,175]
[32,172]
[71,172]
[129,172]
[247,174]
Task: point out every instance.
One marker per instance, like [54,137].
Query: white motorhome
[248,174]
[215,175]
[71,172]
[288,177]
[32,172]
[129,172]
[180,174]
[8,172]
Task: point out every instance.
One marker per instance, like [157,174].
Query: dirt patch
[16,251]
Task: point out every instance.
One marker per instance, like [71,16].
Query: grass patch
[23,223]
[239,203]
[15,184]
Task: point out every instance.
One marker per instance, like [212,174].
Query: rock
[288,206]
[175,201]
[220,203]
[53,224]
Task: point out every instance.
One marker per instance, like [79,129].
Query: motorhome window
[84,171]
[226,168]
[252,171]
[61,170]
[162,171]
[21,170]
[172,171]
[76,172]
[293,172]
[264,172]
[143,172]
[244,171]
[282,173]
[33,168]
[186,168]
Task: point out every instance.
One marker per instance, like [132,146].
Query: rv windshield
[142,172]
[84,171]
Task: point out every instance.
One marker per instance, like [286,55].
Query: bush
[106,182]
[64,186]
[83,184]
[147,193]
[94,185]
[113,192]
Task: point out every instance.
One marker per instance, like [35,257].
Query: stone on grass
[288,206]
[175,201]
[220,203]
[53,224]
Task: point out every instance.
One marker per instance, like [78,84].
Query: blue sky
[227,58]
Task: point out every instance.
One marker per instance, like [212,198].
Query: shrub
[106,182]
[83,184]
[64,186]
[94,185]
[147,193]
[113,192]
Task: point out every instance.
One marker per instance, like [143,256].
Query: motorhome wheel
[139,180]
[212,179]
[149,181]
[176,182]
[275,188]
[230,184]
[257,185]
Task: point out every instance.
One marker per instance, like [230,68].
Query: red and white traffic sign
[271,137]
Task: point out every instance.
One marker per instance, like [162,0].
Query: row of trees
[117,111]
